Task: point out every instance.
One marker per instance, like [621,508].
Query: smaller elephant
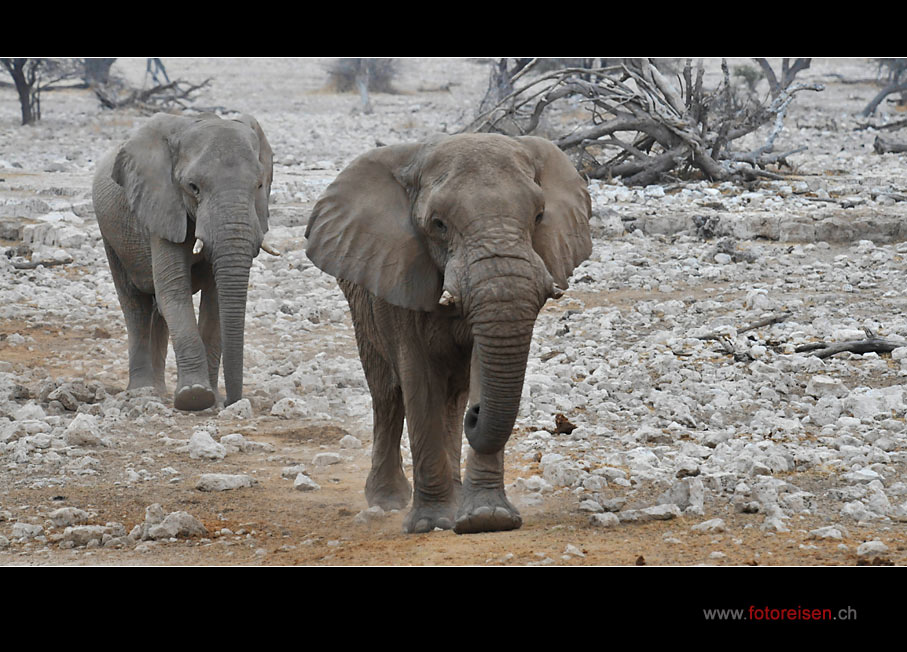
[182,206]
[446,252]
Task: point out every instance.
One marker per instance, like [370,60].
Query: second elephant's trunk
[231,274]
[233,246]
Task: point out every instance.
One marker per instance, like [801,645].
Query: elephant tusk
[198,246]
[447,299]
[268,248]
[557,292]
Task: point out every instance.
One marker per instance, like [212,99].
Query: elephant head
[204,180]
[483,226]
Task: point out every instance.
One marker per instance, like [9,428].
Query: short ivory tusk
[557,292]
[268,248]
[198,246]
[446,299]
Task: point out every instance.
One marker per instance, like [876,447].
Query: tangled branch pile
[162,97]
[645,124]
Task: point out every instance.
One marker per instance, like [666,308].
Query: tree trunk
[25,73]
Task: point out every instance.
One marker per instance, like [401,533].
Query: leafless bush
[894,72]
[346,74]
[32,76]
[170,96]
[645,122]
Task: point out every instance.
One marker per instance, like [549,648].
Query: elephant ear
[144,169]
[361,230]
[266,158]
[562,239]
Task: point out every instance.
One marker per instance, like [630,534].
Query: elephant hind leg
[159,341]
[386,485]
[138,313]
[209,329]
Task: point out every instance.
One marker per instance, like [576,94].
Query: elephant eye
[193,188]
[439,226]
[538,218]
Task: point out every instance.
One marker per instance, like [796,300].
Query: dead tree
[25,73]
[32,76]
[646,124]
[363,76]
[896,83]
[170,96]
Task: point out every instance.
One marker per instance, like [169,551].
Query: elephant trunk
[502,316]
[231,260]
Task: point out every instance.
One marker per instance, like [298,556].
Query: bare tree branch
[647,122]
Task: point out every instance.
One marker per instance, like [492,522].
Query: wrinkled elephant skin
[446,251]
[183,207]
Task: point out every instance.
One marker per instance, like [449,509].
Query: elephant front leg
[209,329]
[436,485]
[483,505]
[173,291]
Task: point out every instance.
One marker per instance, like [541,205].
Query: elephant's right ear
[144,169]
[361,230]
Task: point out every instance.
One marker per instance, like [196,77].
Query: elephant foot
[428,517]
[193,397]
[486,510]
[388,494]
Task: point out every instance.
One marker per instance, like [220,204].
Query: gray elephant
[446,251]
[183,206]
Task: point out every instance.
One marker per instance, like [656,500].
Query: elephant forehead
[481,173]
[228,143]
[482,155]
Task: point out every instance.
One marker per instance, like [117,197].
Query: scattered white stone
[238,442]
[242,409]
[224,482]
[711,526]
[66,516]
[158,526]
[26,531]
[348,441]
[820,386]
[305,483]
[292,471]
[83,431]
[370,515]
[607,519]
[655,513]
[871,549]
[203,446]
[326,459]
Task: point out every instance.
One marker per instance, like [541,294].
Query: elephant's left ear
[562,239]
[266,158]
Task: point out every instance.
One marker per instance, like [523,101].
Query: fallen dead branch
[868,345]
[34,264]
[888,146]
[163,97]
[765,321]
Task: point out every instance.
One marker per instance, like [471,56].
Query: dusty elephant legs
[147,331]
[152,318]
[173,291]
[483,505]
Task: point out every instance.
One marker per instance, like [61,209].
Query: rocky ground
[685,436]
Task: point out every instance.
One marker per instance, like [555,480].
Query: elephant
[446,250]
[182,206]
